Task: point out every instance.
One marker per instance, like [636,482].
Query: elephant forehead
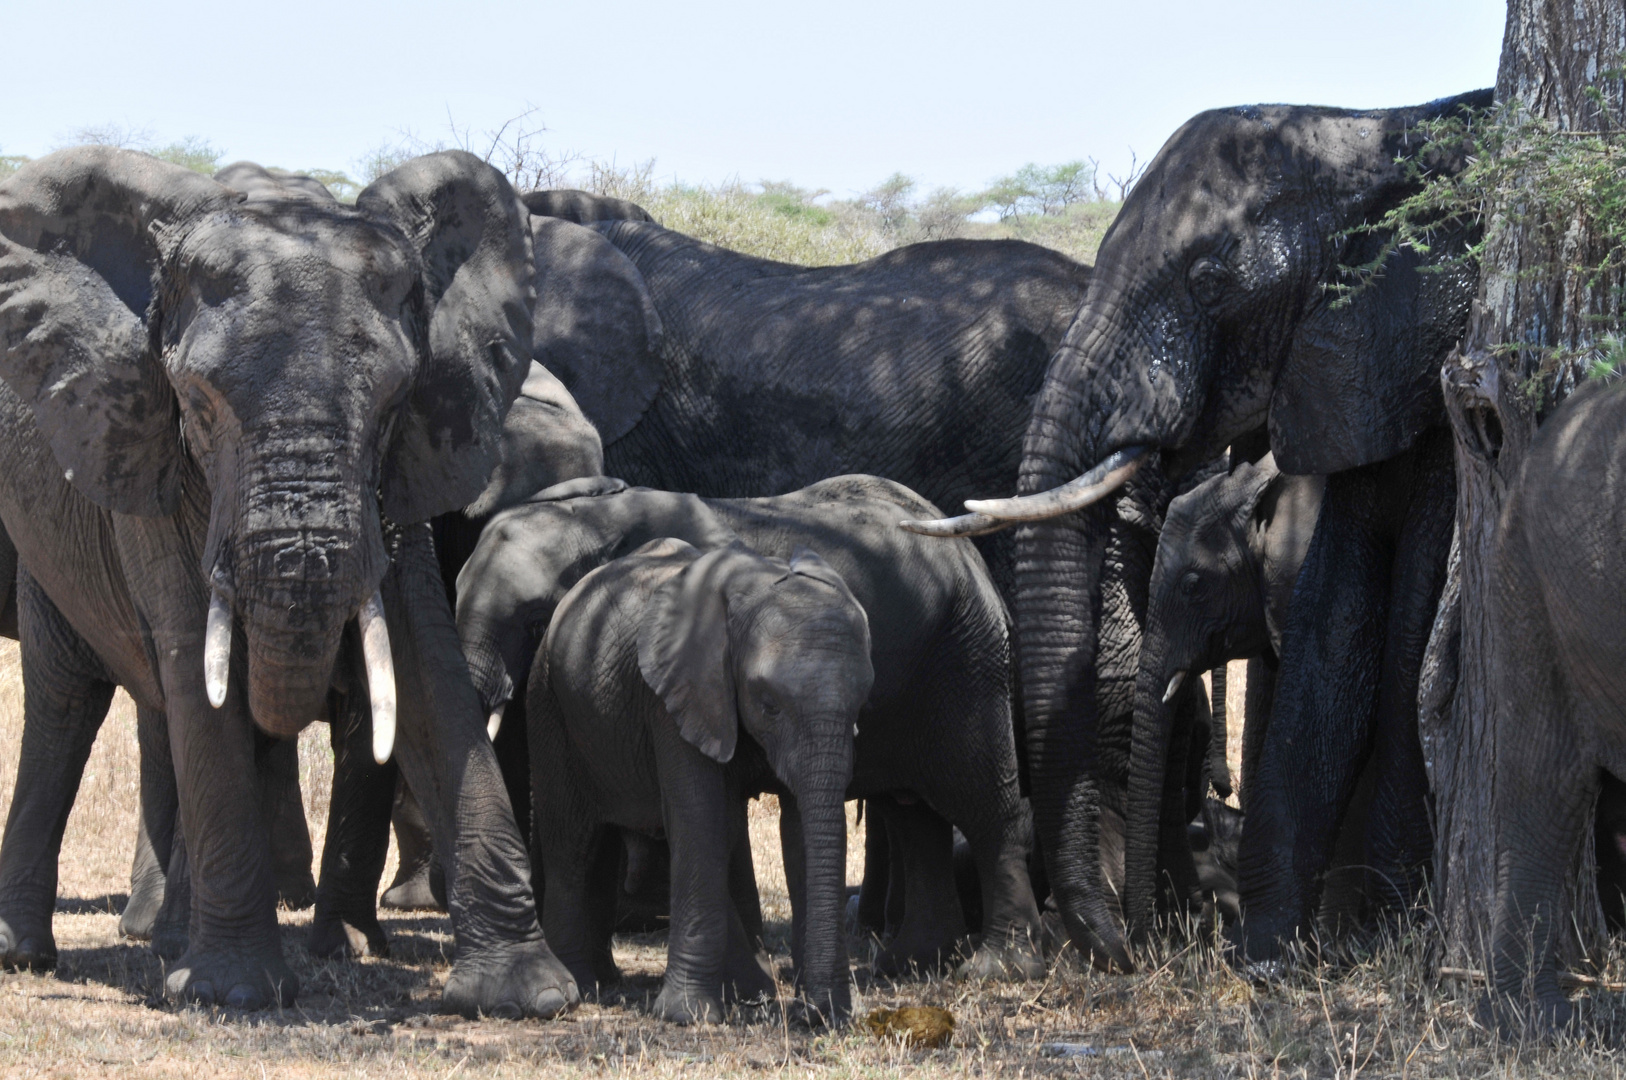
[295,239]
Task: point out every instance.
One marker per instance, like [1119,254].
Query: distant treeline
[1066,207]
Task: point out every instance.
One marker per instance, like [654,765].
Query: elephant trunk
[1154,812]
[301,562]
[824,955]
[1102,395]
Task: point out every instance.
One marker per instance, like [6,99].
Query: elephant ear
[545,441]
[1362,379]
[82,235]
[471,233]
[581,207]
[1248,483]
[683,649]
[595,326]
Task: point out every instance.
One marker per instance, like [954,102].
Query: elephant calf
[653,667]
[1226,561]
[936,733]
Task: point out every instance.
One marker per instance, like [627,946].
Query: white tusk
[1092,487]
[217,651]
[964,525]
[494,723]
[375,647]
[1174,686]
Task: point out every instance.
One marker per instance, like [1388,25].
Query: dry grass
[1378,1013]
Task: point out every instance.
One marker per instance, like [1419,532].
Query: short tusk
[964,525]
[1175,684]
[375,648]
[1092,487]
[494,723]
[217,650]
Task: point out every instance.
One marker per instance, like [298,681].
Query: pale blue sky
[836,94]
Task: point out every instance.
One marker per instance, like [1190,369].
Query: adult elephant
[1210,315]
[717,373]
[225,423]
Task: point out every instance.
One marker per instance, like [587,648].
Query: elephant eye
[1189,583]
[1208,279]
[769,707]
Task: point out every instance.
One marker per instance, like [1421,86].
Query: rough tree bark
[1530,299]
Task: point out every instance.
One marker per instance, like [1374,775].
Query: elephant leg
[695,808]
[66,693]
[1609,837]
[172,925]
[1319,729]
[1219,768]
[933,923]
[1259,699]
[1176,864]
[577,854]
[420,884]
[747,976]
[742,876]
[1343,891]
[1011,945]
[283,809]
[345,922]
[234,949]
[504,966]
[1399,834]
[872,894]
[156,832]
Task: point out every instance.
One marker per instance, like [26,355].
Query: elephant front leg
[66,693]
[504,966]
[419,883]
[234,950]
[933,923]
[1319,728]
[694,806]
[283,809]
[358,835]
[156,832]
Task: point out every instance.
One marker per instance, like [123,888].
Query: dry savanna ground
[1378,1012]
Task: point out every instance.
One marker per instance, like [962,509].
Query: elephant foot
[415,892]
[683,1005]
[170,938]
[832,1011]
[27,944]
[296,890]
[510,982]
[906,955]
[748,979]
[141,911]
[1548,1016]
[1017,960]
[233,978]
[346,937]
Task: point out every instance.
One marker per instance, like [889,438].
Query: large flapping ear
[683,649]
[1361,380]
[1249,482]
[472,234]
[82,234]
[596,326]
[256,182]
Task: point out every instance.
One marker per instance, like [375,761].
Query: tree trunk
[1530,298]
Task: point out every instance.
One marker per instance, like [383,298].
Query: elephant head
[782,650]
[1208,316]
[279,371]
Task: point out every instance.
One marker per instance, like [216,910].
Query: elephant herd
[580,532]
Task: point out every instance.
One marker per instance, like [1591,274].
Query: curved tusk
[494,723]
[375,648]
[1175,683]
[1092,487]
[964,525]
[217,651]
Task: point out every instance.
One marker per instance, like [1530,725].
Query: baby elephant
[670,681]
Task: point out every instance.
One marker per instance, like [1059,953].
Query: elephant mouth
[373,631]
